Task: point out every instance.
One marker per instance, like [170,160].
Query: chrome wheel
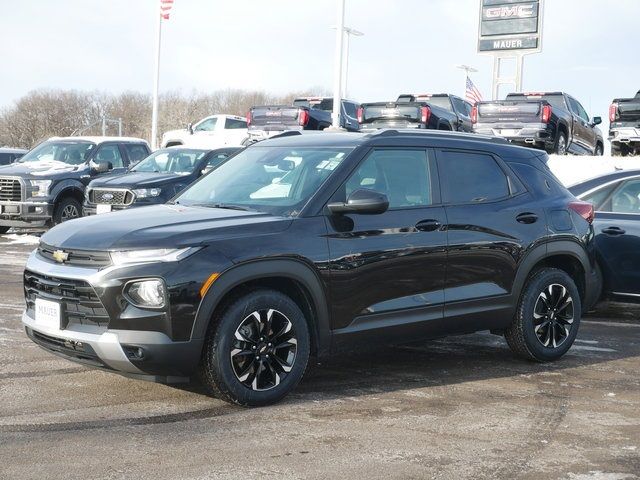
[553,315]
[69,212]
[264,349]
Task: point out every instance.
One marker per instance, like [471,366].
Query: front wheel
[548,316]
[68,209]
[258,351]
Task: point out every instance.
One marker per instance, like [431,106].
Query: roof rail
[288,133]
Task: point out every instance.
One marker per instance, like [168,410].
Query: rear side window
[461,106]
[471,177]
[232,123]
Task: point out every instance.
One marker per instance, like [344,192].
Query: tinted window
[471,177]
[110,153]
[350,109]
[461,106]
[136,152]
[5,158]
[402,175]
[232,123]
[206,125]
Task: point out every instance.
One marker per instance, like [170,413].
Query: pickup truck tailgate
[391,115]
[629,111]
[509,111]
[275,117]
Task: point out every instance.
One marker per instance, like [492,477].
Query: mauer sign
[509,25]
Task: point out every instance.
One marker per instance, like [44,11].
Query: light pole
[337,74]
[345,68]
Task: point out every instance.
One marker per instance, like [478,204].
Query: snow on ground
[17,239]
[572,169]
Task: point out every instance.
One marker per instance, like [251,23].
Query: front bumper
[25,214]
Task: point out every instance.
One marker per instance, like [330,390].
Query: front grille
[77,350]
[84,258]
[111,197]
[78,300]
[10,189]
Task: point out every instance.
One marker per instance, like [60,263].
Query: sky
[590,47]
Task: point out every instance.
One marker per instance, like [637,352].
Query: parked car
[156,179]
[215,131]
[298,244]
[624,126]
[47,184]
[616,198]
[437,112]
[306,113]
[10,155]
[553,121]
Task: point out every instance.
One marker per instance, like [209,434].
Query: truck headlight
[152,256]
[40,188]
[147,293]
[147,192]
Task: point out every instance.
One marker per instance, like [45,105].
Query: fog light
[147,293]
[39,210]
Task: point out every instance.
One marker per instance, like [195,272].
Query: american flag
[472,94]
[165,7]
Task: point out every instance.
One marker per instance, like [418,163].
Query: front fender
[292,269]
[66,186]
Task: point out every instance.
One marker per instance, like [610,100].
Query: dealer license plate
[47,313]
[102,208]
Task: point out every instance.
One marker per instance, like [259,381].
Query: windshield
[71,153]
[278,180]
[180,162]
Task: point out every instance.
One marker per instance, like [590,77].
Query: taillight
[425,115]
[584,209]
[546,113]
[474,114]
[303,117]
[613,112]
[249,118]
[360,115]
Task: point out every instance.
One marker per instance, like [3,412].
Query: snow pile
[572,169]
[16,239]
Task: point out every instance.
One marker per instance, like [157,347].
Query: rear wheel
[561,144]
[68,209]
[548,316]
[599,150]
[259,350]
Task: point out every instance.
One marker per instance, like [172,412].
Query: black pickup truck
[553,121]
[47,184]
[437,112]
[306,113]
[624,127]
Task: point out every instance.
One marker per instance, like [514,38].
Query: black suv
[300,243]
[47,184]
[154,180]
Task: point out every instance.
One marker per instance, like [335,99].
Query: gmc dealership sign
[509,25]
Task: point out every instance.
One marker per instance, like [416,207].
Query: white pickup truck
[216,131]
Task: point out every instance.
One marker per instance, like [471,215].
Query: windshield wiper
[228,206]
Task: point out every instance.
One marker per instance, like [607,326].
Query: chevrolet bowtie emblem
[60,256]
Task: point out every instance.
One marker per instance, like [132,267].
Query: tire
[4,230]
[235,349]
[545,339]
[599,150]
[64,210]
[561,144]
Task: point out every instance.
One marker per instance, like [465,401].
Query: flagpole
[156,82]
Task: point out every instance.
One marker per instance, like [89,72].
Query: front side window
[402,175]
[215,161]
[180,162]
[206,125]
[599,196]
[69,152]
[470,177]
[135,152]
[625,199]
[111,154]
[350,109]
[277,180]
[461,106]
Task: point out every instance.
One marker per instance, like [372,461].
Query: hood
[161,226]
[42,169]
[139,180]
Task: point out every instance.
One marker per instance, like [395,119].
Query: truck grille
[111,197]
[10,189]
[78,300]
[83,258]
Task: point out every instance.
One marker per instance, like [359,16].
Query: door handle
[613,231]
[527,218]
[428,225]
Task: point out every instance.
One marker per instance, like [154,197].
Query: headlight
[147,192]
[147,293]
[40,188]
[151,256]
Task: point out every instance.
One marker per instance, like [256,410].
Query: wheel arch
[294,278]
[69,189]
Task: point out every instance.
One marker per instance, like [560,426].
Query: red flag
[165,7]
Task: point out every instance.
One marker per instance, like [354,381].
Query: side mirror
[363,201]
[190,128]
[596,120]
[102,167]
